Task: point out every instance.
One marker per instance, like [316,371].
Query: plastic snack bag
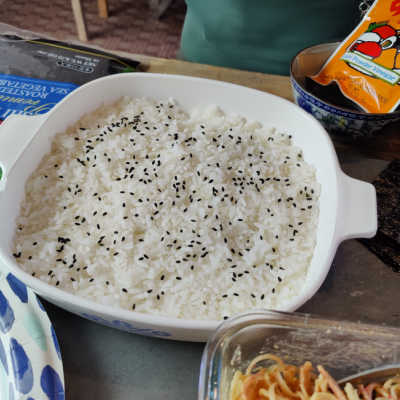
[366,66]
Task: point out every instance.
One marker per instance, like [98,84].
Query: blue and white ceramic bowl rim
[341,111]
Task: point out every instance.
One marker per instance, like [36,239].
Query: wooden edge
[103,8]
[79,20]
[275,84]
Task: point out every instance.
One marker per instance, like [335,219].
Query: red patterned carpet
[131,25]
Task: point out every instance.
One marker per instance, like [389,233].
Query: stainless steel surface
[373,375]
[102,363]
[359,285]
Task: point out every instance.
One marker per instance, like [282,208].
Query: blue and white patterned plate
[30,359]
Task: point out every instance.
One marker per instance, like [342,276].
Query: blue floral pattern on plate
[126,326]
[30,358]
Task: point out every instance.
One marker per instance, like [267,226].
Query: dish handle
[358,209]
[16,133]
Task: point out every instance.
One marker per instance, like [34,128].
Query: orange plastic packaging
[366,66]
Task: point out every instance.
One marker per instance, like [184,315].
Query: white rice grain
[142,205]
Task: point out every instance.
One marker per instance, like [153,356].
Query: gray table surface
[102,363]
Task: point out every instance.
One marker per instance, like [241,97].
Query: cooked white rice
[143,206]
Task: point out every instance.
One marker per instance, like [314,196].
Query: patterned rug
[131,26]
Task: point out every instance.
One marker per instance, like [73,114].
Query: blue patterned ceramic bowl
[338,121]
[30,359]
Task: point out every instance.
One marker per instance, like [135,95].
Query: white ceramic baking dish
[347,205]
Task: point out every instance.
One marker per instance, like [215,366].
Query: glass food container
[343,348]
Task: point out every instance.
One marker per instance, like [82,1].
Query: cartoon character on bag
[380,43]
